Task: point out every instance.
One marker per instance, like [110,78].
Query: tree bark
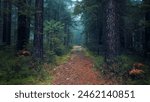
[7,22]
[1,27]
[122,12]
[111,30]
[147,29]
[28,22]
[38,37]
[22,26]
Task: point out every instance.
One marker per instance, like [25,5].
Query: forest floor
[79,70]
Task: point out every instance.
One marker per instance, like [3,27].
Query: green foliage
[53,26]
[124,65]
[20,70]
[50,56]
[23,70]
[97,59]
[54,31]
[60,50]
[62,59]
[98,62]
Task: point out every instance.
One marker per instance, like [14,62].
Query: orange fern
[136,72]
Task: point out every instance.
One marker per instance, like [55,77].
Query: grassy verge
[97,59]
[48,68]
[125,64]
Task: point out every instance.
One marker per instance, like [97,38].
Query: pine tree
[1,27]
[111,30]
[7,22]
[22,26]
[38,37]
[147,27]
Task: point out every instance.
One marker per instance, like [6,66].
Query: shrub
[60,50]
[50,56]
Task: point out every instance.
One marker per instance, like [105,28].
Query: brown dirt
[78,71]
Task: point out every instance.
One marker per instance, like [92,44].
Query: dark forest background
[36,35]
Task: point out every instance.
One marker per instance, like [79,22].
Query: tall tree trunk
[68,35]
[7,22]
[28,22]
[38,37]
[147,28]
[122,11]
[22,26]
[1,27]
[99,24]
[111,31]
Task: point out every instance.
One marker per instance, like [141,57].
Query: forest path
[78,71]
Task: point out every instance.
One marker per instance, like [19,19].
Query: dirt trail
[78,71]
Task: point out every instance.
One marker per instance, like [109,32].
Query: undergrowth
[23,70]
[97,59]
[124,65]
